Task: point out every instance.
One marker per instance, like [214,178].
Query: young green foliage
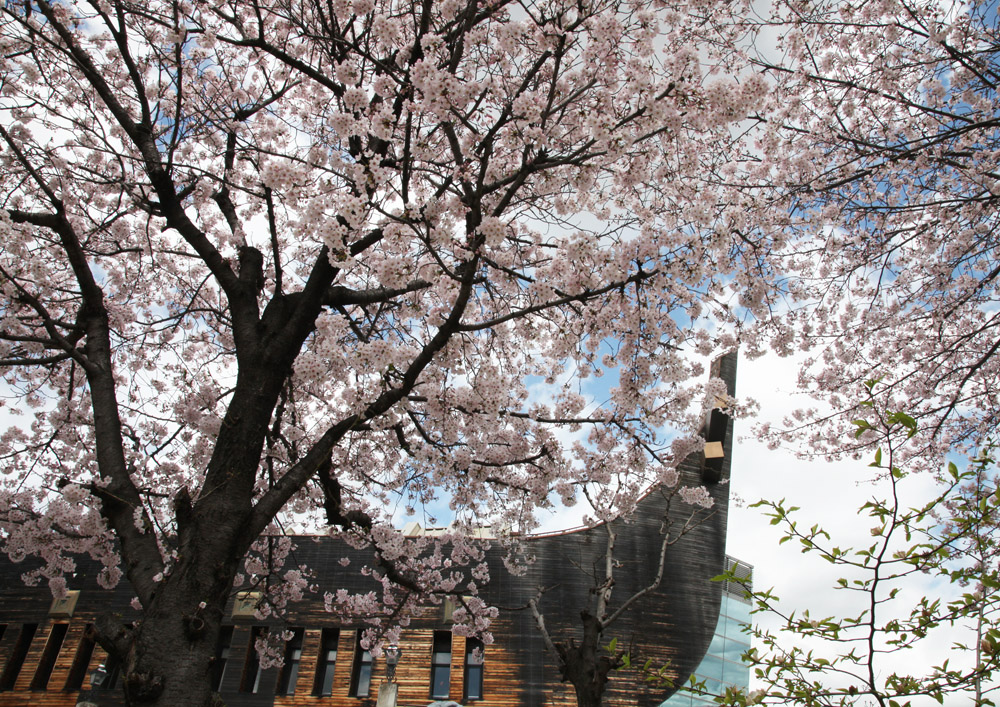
[866,656]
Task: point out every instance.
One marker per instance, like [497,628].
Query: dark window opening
[323,685]
[441,665]
[251,667]
[222,653]
[16,661]
[49,654]
[473,669]
[81,661]
[112,673]
[361,674]
[293,657]
[109,675]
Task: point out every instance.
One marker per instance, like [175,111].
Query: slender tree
[263,261]
[865,650]
[588,654]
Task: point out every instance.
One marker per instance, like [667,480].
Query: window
[81,661]
[441,665]
[323,685]
[361,674]
[48,660]
[251,666]
[222,654]
[473,669]
[16,661]
[112,668]
[63,608]
[290,670]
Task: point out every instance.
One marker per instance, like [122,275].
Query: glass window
[361,675]
[48,660]
[251,666]
[718,644]
[734,650]
[222,654]
[474,656]
[112,674]
[441,665]
[323,685]
[16,661]
[738,675]
[711,667]
[293,656]
[81,661]
[740,611]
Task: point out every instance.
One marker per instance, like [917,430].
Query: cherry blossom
[882,156]
[268,263]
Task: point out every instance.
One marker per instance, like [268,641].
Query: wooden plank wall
[53,694]
[412,675]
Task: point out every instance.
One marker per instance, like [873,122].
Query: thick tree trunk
[584,666]
[167,659]
[171,664]
[589,694]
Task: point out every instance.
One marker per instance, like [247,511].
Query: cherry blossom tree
[882,152]
[266,262]
[890,110]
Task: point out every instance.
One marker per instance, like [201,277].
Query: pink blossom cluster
[890,249]
[248,284]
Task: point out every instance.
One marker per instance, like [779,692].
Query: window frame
[441,661]
[361,671]
[15,662]
[50,654]
[289,675]
[250,680]
[326,662]
[473,667]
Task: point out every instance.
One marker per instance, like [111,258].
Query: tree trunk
[584,666]
[167,659]
[589,694]
[171,663]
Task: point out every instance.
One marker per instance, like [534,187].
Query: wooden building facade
[49,659]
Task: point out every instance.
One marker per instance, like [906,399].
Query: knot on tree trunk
[114,636]
[143,686]
[194,627]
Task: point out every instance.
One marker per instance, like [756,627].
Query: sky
[829,494]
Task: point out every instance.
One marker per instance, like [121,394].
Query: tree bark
[167,659]
[583,665]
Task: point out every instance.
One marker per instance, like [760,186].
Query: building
[49,657]
[721,667]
